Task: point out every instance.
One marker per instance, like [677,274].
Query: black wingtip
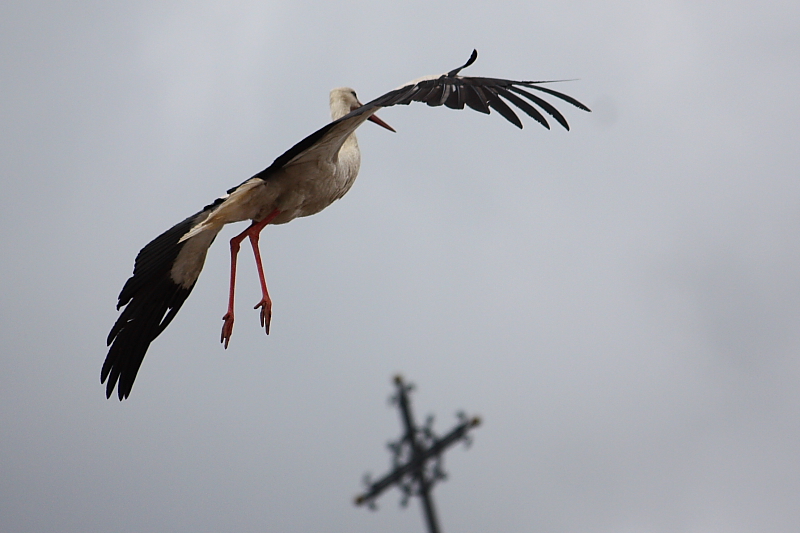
[566,98]
[470,61]
[472,58]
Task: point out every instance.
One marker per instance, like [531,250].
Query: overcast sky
[620,302]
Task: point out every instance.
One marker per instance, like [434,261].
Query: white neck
[342,101]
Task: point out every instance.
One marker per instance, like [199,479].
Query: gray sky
[619,302]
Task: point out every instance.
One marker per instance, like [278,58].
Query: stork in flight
[304,180]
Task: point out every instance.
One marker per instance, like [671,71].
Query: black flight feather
[151,299]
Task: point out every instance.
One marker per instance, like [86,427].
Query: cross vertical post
[417,454]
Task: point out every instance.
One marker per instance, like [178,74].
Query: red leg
[227,326]
[266,303]
[252,232]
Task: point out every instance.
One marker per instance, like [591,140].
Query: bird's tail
[225,210]
[164,275]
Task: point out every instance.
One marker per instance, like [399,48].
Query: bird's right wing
[164,275]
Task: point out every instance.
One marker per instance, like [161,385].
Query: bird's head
[344,100]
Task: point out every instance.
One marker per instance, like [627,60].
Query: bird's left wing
[323,144]
[480,94]
[451,90]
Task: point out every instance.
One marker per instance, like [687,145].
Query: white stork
[306,179]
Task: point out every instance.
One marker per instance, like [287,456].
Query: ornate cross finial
[417,461]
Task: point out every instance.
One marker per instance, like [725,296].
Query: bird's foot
[266,312]
[227,329]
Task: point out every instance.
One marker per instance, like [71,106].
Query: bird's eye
[354,94]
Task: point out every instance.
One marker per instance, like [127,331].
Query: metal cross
[417,461]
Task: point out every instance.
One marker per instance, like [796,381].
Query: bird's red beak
[379,122]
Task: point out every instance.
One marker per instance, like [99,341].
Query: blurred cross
[417,462]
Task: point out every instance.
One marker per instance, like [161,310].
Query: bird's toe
[227,329]
[266,313]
